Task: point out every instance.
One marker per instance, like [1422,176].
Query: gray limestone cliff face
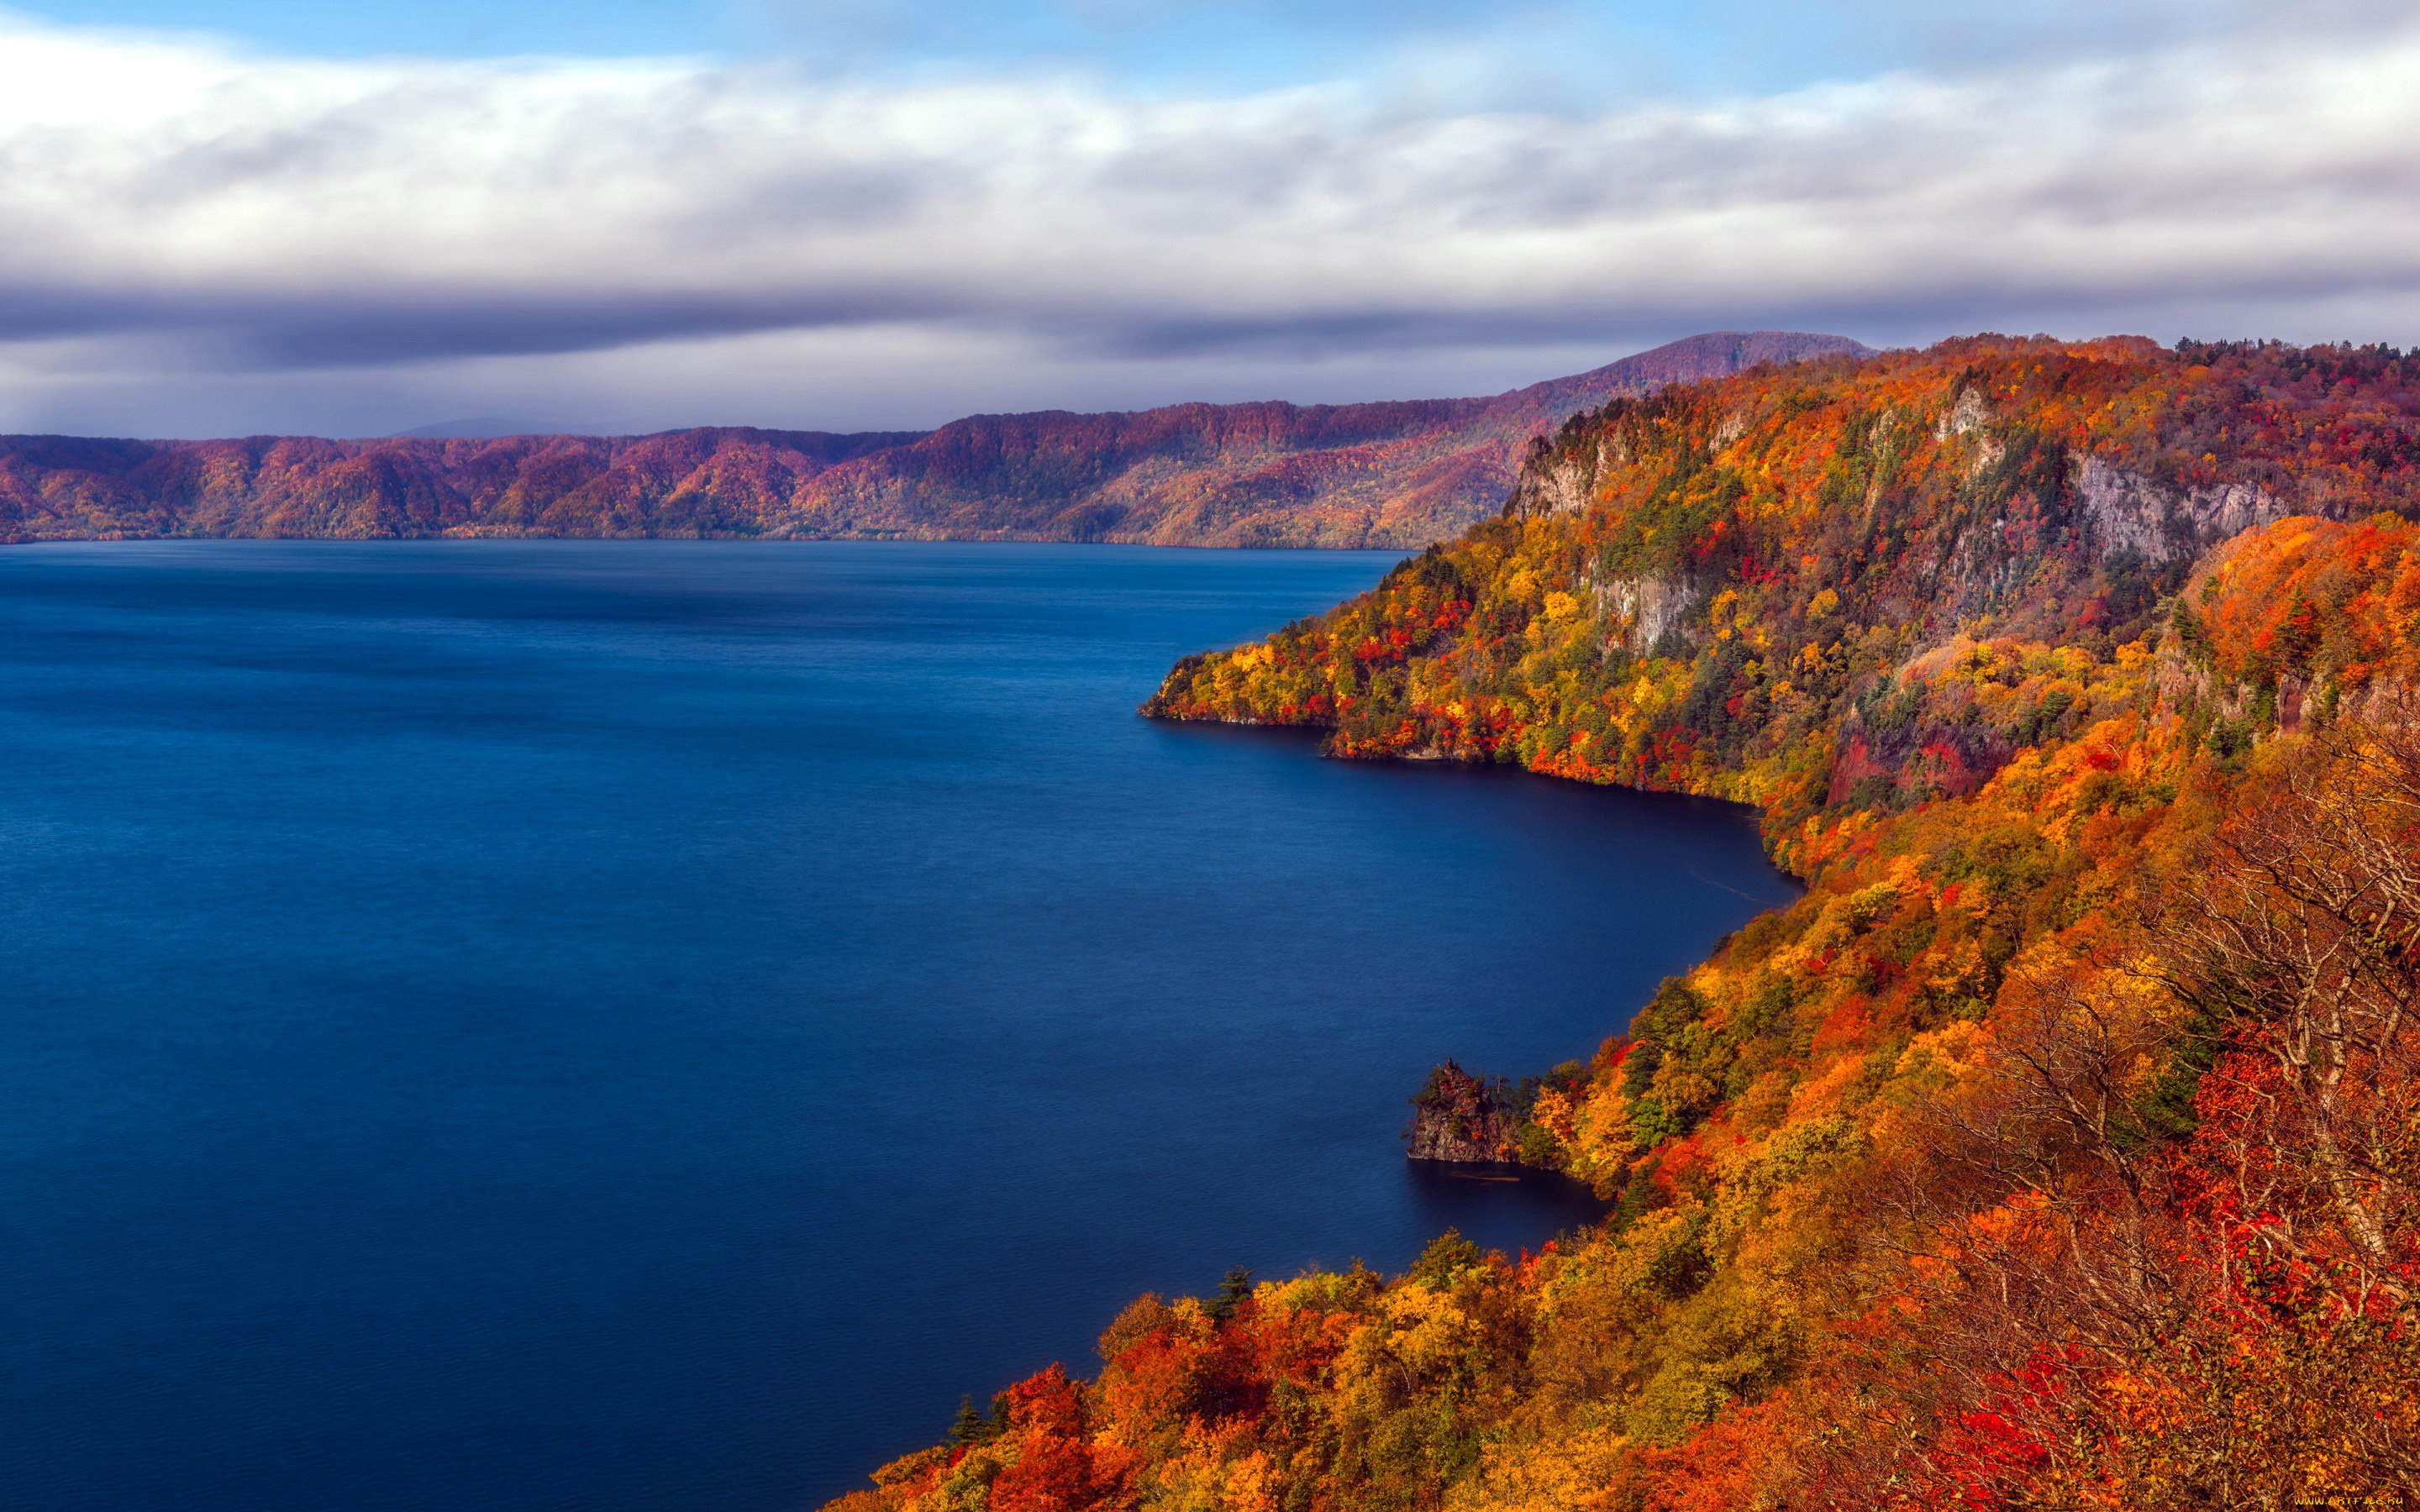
[2127,514]
[1642,611]
[1552,483]
[1966,413]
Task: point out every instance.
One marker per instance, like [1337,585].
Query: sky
[269,216]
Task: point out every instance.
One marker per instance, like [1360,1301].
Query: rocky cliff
[1457,1117]
[1808,588]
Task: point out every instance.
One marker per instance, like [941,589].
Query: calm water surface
[633,1026]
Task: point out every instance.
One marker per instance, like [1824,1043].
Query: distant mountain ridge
[1395,473]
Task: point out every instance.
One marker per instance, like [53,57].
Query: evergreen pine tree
[967,1427]
[1231,1292]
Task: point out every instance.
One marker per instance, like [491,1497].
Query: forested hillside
[1397,475]
[2059,1148]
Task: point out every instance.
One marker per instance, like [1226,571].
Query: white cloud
[196,237]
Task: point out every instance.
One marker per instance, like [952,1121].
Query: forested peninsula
[1272,475]
[2058,1148]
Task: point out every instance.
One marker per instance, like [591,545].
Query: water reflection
[1501,1207]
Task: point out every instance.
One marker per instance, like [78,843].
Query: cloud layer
[195,237]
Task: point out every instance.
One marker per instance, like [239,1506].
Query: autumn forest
[2060,1147]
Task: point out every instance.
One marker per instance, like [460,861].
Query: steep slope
[1253,474]
[1734,567]
[2061,1145]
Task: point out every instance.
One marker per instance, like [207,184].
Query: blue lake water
[619,1025]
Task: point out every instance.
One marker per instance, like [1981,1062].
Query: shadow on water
[1499,1208]
[1312,740]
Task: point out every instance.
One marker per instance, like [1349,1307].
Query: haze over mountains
[1397,473]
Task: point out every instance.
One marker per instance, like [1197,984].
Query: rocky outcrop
[1644,609]
[1457,1117]
[1554,484]
[1966,413]
[2128,514]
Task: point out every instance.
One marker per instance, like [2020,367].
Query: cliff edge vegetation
[2060,1147]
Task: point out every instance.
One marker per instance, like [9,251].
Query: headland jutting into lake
[2061,1145]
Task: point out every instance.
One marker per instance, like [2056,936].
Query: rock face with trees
[1456,1117]
[2060,1147]
[1465,1119]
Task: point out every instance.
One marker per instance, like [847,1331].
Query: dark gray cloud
[325,328]
[188,231]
